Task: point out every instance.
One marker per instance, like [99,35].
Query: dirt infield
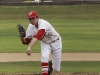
[53,74]
[6,57]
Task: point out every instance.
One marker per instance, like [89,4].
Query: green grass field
[78,26]
[32,66]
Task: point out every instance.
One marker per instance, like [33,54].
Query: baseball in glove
[21,30]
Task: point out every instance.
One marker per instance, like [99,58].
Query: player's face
[33,21]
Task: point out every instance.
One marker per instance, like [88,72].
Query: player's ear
[37,17]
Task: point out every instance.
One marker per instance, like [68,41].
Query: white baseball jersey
[47,44]
[50,35]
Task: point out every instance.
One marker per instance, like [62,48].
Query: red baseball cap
[32,14]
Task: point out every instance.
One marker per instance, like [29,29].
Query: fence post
[37,1]
[82,2]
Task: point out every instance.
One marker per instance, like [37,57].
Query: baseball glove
[21,30]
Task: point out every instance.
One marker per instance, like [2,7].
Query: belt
[55,40]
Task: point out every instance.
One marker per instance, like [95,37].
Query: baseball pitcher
[42,30]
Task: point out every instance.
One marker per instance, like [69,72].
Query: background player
[50,42]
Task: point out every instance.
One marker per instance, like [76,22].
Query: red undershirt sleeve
[40,34]
[27,40]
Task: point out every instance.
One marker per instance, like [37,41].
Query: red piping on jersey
[40,34]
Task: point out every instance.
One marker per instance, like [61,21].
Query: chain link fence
[22,1]
[51,2]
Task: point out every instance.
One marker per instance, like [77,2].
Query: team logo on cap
[30,13]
